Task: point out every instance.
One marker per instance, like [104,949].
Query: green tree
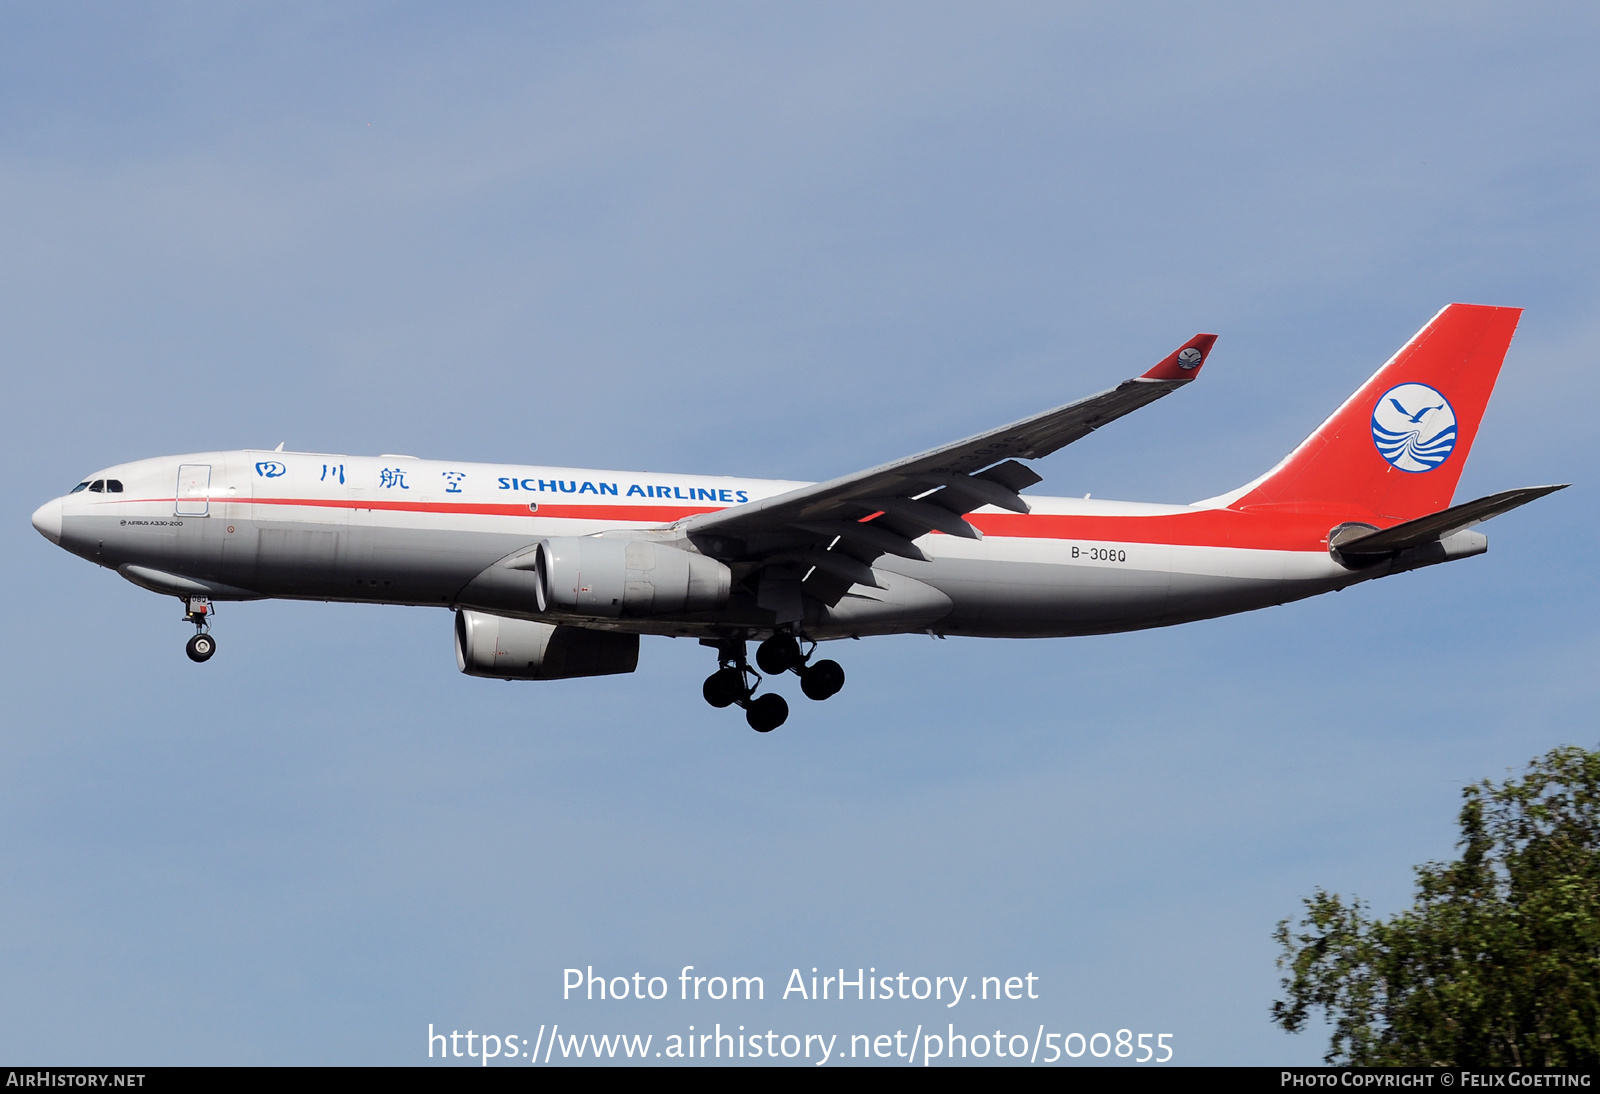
[1495,964]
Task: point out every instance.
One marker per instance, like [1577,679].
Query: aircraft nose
[47,519]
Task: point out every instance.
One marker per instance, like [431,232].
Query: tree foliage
[1495,964]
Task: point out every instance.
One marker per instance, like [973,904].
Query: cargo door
[300,511]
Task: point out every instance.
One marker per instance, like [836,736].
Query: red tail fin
[1397,446]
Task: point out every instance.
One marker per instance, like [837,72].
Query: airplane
[556,572]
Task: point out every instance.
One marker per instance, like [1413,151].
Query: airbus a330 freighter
[555,572]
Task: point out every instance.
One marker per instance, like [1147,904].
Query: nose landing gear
[197,610]
[200,647]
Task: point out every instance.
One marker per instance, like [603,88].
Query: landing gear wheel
[724,687]
[201,647]
[767,712]
[822,680]
[778,654]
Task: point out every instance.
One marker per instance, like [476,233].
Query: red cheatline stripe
[1263,530]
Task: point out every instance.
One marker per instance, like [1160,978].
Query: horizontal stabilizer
[1446,522]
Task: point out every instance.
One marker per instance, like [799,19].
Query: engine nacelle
[597,576]
[521,649]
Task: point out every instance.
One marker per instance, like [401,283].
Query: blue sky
[763,240]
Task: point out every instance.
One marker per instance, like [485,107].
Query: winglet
[1184,362]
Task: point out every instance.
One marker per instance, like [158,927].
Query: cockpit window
[98,486]
[113,486]
[80,486]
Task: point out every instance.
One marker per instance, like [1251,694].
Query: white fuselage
[398,530]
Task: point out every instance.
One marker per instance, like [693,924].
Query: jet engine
[599,576]
[521,649]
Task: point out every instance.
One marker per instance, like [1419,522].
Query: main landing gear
[735,682]
[781,653]
[197,610]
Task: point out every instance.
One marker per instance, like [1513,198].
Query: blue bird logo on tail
[1417,417]
[1414,441]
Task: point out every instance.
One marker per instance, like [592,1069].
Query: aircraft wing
[831,532]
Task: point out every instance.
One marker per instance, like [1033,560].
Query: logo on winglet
[1190,358]
[1414,427]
